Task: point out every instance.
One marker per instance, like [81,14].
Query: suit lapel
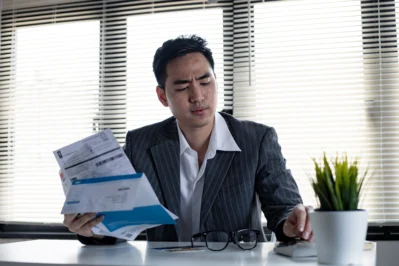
[215,173]
[167,163]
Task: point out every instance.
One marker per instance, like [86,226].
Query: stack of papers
[97,176]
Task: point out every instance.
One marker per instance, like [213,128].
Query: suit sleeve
[277,189]
[107,240]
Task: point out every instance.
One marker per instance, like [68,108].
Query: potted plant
[339,227]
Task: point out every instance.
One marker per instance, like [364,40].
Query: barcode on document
[109,159]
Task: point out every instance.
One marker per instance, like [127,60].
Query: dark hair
[174,48]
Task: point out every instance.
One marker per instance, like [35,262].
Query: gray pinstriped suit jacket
[232,179]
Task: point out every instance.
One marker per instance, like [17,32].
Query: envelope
[125,200]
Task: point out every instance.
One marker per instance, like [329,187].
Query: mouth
[199,111]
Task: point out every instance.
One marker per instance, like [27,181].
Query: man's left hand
[298,223]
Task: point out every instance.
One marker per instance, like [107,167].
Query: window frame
[58,231]
[107,57]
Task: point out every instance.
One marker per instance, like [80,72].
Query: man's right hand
[82,224]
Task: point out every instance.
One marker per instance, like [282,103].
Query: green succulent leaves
[339,192]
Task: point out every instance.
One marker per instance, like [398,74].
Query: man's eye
[182,89]
[205,83]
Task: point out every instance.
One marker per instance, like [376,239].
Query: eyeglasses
[218,240]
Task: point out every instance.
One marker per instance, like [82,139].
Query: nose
[196,93]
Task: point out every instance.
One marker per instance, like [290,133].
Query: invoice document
[97,176]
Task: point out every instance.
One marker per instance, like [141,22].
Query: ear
[216,83]
[162,96]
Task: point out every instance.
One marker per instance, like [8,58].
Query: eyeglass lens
[218,240]
[246,239]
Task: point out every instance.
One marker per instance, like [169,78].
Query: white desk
[71,252]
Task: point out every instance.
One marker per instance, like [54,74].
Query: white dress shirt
[191,176]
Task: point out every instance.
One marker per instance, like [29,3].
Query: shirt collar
[221,138]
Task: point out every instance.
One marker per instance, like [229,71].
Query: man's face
[190,91]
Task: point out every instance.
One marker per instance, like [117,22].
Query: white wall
[10,4]
[10,240]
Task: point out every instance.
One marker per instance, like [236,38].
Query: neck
[198,138]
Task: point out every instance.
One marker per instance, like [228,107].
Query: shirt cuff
[107,240]
[280,233]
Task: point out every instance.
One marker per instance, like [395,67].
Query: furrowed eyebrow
[181,81]
[206,75]
[184,81]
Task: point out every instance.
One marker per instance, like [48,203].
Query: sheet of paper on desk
[98,177]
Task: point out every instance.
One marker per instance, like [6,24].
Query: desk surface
[71,252]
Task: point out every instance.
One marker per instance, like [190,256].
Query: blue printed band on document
[97,176]
[114,197]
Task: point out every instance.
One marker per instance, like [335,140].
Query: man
[207,167]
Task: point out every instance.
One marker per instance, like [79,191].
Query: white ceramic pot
[339,236]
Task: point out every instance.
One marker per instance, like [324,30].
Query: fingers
[298,223]
[295,223]
[300,214]
[86,228]
[68,218]
[311,239]
[77,223]
[82,224]
[290,229]
[308,226]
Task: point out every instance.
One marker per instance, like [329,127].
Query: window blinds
[140,51]
[325,75]
[71,69]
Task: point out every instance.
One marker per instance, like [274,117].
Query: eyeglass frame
[231,238]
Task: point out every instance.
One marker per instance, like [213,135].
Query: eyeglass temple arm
[196,235]
[193,237]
